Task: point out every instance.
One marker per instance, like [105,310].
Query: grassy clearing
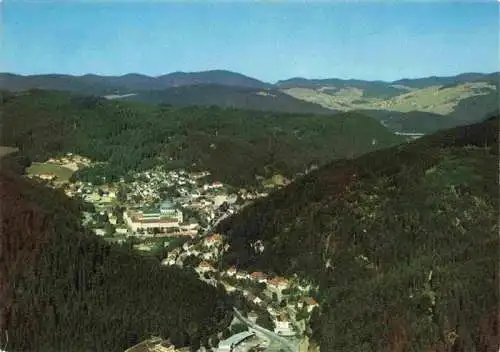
[435,99]
[61,172]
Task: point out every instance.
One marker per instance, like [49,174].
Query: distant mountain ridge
[137,81]
[406,105]
[126,83]
[411,82]
[447,80]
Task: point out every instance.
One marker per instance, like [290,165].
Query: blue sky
[269,41]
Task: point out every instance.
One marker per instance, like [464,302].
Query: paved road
[287,345]
[271,335]
[211,228]
[214,225]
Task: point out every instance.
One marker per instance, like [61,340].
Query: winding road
[289,346]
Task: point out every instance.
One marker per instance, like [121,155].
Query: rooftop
[235,339]
[167,204]
[258,274]
[278,281]
[205,264]
[310,301]
[214,238]
[147,345]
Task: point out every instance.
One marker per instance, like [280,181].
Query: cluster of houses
[190,192]
[101,196]
[146,212]
[284,318]
[209,249]
[140,196]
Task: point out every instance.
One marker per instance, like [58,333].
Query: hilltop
[403,243]
[408,105]
[400,84]
[129,83]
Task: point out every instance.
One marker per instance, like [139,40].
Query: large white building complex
[160,218]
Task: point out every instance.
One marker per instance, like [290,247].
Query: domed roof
[167,204]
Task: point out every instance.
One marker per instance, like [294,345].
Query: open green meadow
[61,172]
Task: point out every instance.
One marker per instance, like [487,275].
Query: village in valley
[172,214]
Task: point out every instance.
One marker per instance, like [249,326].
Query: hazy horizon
[368,41]
[242,73]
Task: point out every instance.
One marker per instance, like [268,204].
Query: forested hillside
[230,97]
[422,105]
[468,110]
[65,290]
[402,242]
[235,145]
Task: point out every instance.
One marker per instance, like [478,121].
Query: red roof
[278,281]
[258,275]
[215,237]
[310,301]
[205,264]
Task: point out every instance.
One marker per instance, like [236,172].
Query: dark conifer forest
[234,145]
[64,289]
[400,240]
[402,243]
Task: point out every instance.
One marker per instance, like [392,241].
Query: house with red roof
[205,267]
[258,276]
[278,283]
[213,240]
[309,303]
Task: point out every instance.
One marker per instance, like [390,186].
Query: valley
[249,176]
[440,99]
[285,222]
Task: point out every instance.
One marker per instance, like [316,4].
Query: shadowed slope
[66,290]
[402,242]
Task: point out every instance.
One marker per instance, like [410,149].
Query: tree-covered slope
[235,145]
[412,122]
[65,290]
[468,110]
[403,243]
[447,80]
[229,97]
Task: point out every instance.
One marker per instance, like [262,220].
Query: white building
[167,216]
[233,341]
[283,327]
[205,267]
[100,232]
